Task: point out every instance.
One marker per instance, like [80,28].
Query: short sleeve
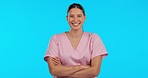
[98,47]
[52,49]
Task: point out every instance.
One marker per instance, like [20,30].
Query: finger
[84,66]
[56,58]
[56,61]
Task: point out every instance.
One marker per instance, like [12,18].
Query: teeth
[75,24]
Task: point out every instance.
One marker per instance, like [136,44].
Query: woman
[75,54]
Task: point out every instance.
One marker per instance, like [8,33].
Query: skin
[75,19]
[76,15]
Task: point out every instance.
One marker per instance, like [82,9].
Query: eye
[71,16]
[79,15]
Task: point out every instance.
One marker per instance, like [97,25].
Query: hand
[84,66]
[56,61]
[81,67]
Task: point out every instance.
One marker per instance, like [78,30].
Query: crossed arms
[76,71]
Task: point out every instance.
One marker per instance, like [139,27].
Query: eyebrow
[77,14]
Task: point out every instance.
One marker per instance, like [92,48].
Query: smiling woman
[75,53]
[76,16]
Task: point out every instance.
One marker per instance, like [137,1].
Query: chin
[76,28]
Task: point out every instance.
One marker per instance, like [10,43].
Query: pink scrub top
[89,47]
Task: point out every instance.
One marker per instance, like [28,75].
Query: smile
[76,24]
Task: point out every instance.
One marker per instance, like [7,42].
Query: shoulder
[57,36]
[92,35]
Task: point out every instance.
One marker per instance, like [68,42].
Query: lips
[75,23]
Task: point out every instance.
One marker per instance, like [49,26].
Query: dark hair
[76,5]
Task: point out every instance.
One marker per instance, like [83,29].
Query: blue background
[26,27]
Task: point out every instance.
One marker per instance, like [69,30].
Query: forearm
[65,70]
[86,73]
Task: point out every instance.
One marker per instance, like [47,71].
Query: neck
[75,33]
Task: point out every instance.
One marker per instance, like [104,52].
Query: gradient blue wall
[27,25]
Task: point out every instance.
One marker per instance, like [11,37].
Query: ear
[84,17]
[67,17]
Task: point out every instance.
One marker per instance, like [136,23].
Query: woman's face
[76,18]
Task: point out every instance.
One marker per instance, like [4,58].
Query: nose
[75,19]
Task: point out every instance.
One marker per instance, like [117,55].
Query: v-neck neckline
[74,49]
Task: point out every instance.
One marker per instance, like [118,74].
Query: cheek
[70,19]
[82,19]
